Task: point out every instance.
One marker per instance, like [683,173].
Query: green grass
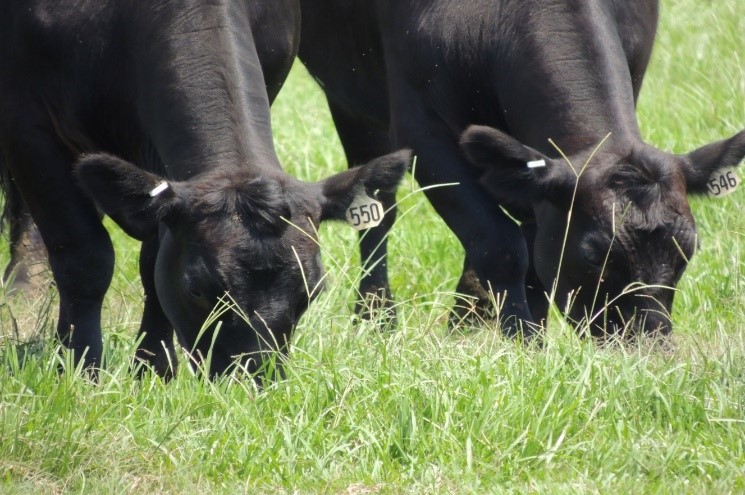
[421,409]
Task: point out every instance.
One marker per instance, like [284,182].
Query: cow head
[234,236]
[630,235]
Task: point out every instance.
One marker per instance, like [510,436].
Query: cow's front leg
[80,251]
[82,269]
[495,247]
[538,297]
[473,304]
[363,142]
[500,260]
[28,268]
[156,348]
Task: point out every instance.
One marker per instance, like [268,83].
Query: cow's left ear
[513,172]
[382,174]
[135,199]
[699,165]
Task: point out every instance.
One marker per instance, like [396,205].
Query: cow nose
[262,366]
[636,321]
[653,322]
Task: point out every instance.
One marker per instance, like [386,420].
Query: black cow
[159,112]
[275,30]
[421,74]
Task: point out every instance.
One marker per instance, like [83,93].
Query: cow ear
[513,172]
[382,174]
[137,200]
[699,165]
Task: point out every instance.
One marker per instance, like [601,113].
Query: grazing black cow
[275,30]
[421,74]
[158,111]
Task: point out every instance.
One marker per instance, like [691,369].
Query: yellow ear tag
[364,212]
[723,182]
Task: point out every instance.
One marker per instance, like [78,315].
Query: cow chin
[261,365]
[233,346]
[629,324]
[258,363]
[627,317]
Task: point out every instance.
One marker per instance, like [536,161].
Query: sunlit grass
[420,409]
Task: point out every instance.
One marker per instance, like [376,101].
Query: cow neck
[576,87]
[201,96]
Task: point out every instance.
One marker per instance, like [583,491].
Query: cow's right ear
[137,200]
[513,172]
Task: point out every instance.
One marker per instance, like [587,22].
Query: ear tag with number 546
[364,212]
[722,182]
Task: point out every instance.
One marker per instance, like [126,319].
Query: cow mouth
[624,323]
[263,367]
[638,310]
[238,345]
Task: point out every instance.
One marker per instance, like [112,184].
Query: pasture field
[421,409]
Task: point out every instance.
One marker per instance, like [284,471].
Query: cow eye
[193,291]
[594,257]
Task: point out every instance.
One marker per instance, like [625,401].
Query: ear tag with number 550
[364,212]
[722,182]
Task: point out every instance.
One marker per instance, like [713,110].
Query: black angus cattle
[275,31]
[421,74]
[275,28]
[158,111]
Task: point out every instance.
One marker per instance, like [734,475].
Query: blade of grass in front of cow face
[552,296]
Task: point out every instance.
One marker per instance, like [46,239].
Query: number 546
[722,182]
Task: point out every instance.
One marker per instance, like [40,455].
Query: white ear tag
[723,182]
[536,164]
[159,189]
[364,212]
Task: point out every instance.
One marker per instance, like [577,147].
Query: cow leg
[494,245]
[156,348]
[478,306]
[363,142]
[535,290]
[495,248]
[28,267]
[473,305]
[80,251]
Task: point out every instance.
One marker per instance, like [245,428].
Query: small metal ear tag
[536,164]
[159,189]
[723,182]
